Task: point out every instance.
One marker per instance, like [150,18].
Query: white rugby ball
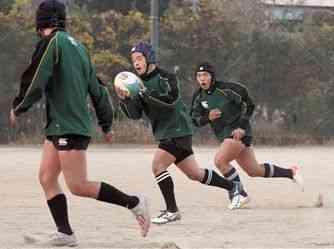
[128,82]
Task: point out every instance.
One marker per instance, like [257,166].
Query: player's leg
[48,176]
[185,161]
[49,171]
[74,166]
[190,168]
[248,162]
[165,156]
[228,151]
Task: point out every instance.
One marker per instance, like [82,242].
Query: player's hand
[108,136]
[238,134]
[12,118]
[214,114]
[121,93]
[144,94]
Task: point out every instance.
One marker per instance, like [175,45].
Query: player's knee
[46,179]
[220,162]
[78,189]
[157,169]
[194,176]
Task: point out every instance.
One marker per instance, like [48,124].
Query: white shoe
[166,217]
[63,239]
[244,197]
[244,200]
[141,211]
[297,177]
[236,196]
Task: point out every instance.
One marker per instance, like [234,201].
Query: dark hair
[51,13]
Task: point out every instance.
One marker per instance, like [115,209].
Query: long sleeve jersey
[61,70]
[162,104]
[234,102]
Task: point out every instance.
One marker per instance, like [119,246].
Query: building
[296,10]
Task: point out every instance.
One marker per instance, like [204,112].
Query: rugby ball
[128,82]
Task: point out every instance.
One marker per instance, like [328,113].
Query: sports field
[279,215]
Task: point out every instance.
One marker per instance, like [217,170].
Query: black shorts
[179,147]
[69,142]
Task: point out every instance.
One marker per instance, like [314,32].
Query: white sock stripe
[163,178]
[271,172]
[209,177]
[162,175]
[231,177]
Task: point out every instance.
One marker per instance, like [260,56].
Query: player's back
[68,88]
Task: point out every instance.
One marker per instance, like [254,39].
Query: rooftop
[308,3]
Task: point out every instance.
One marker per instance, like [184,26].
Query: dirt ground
[279,215]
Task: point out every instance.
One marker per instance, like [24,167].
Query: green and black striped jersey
[162,104]
[61,70]
[234,102]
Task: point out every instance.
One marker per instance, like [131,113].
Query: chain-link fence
[283,51]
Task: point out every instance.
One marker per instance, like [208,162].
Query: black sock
[213,179]
[166,186]
[112,195]
[58,208]
[232,175]
[272,170]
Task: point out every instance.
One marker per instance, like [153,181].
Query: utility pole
[155,27]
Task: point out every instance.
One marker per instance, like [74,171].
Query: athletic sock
[58,209]
[272,170]
[232,175]
[166,186]
[112,195]
[211,178]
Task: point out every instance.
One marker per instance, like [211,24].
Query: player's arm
[246,100]
[37,75]
[132,107]
[169,97]
[100,97]
[199,115]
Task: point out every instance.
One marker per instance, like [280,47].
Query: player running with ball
[171,125]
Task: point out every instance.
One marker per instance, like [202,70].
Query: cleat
[141,212]
[297,177]
[166,217]
[244,198]
[235,196]
[62,239]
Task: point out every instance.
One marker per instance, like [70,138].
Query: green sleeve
[246,101]
[37,75]
[101,101]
